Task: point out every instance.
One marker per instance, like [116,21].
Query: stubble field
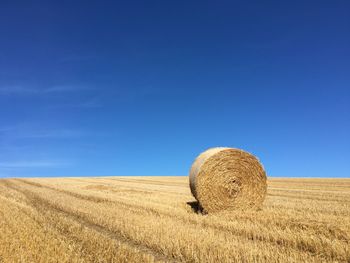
[155,219]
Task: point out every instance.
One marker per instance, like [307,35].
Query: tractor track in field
[132,186]
[42,205]
[307,198]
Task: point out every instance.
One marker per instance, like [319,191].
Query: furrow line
[42,205]
[309,198]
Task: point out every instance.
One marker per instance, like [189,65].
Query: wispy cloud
[11,90]
[78,58]
[50,134]
[25,130]
[6,129]
[32,164]
[64,88]
[87,104]
[26,90]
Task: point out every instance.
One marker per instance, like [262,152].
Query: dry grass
[147,219]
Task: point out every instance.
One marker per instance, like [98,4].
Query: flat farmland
[155,219]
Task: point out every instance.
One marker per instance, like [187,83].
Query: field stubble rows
[154,219]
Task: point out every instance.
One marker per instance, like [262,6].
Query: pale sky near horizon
[142,87]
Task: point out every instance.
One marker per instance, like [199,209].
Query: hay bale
[227,179]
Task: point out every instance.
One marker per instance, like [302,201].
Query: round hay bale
[227,179]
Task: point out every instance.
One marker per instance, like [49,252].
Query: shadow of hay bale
[196,207]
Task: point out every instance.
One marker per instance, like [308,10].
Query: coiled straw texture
[228,179]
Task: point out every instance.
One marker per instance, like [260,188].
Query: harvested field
[155,219]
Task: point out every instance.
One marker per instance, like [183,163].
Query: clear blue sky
[142,87]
